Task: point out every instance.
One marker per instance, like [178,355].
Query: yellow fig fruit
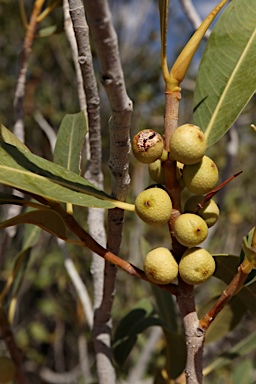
[187,144]
[190,230]
[147,146]
[202,177]
[196,266]
[160,266]
[7,369]
[154,206]
[210,211]
[156,172]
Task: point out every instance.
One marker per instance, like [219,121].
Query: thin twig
[46,128]
[21,80]
[78,285]
[89,242]
[139,369]
[72,41]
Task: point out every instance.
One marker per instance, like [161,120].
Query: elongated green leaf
[166,308]
[227,75]
[70,140]
[242,373]
[8,137]
[30,237]
[248,296]
[135,322]
[31,173]
[226,267]
[176,353]
[8,198]
[46,219]
[225,321]
[244,347]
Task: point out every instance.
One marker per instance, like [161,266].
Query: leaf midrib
[229,83]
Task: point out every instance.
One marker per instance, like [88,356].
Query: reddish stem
[89,242]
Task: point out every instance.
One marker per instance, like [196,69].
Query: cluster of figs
[199,174]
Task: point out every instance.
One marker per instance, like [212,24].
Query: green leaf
[49,31]
[166,308]
[227,73]
[242,373]
[226,267]
[135,322]
[30,238]
[31,173]
[225,321]
[248,296]
[8,198]
[8,137]
[176,353]
[46,219]
[70,140]
[247,345]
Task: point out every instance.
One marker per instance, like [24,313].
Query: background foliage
[49,325]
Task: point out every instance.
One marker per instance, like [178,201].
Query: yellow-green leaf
[227,74]
[46,219]
[30,173]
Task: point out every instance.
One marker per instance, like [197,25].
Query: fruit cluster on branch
[199,174]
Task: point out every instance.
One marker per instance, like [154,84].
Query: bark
[195,335]
[101,328]
[106,45]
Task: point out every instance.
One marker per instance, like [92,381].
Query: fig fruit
[202,177]
[154,206]
[147,146]
[190,229]
[160,266]
[187,144]
[196,266]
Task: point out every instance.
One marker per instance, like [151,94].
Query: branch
[21,80]
[93,174]
[72,41]
[106,254]
[106,45]
[195,335]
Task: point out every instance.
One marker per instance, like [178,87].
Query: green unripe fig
[210,211]
[190,230]
[187,144]
[154,206]
[160,266]
[202,177]
[7,370]
[196,266]
[156,172]
[147,146]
